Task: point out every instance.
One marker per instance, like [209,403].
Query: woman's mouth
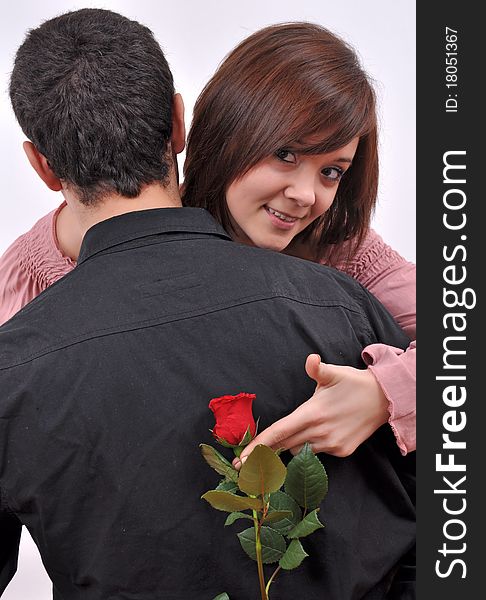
[279,219]
[282,216]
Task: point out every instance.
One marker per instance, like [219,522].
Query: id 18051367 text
[451,72]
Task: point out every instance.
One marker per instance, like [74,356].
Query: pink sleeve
[31,264]
[391,279]
[395,371]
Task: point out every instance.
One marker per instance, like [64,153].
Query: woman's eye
[333,173]
[285,155]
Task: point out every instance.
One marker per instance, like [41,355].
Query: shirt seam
[97,333]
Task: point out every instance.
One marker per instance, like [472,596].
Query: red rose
[233,416]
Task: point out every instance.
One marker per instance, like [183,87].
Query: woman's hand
[346,408]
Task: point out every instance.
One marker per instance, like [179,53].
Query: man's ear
[41,167]
[178,139]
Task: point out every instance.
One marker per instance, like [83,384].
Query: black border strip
[450,232]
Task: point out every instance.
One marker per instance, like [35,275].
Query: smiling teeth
[281,216]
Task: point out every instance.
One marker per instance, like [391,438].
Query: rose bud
[235,425]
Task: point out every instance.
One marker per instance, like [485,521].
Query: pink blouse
[34,262]
[30,265]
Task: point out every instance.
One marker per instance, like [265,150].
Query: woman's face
[283,194]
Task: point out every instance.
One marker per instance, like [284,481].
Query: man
[106,376]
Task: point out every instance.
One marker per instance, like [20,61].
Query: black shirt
[105,380]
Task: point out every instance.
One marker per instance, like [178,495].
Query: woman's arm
[350,404]
[391,279]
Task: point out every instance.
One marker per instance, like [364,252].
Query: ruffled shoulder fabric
[387,275]
[31,264]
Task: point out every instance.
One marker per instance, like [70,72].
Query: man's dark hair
[93,92]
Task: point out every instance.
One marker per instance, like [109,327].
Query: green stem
[258,548]
[237,450]
[271,579]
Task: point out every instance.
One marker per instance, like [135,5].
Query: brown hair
[281,87]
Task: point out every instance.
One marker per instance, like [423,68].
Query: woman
[283,152]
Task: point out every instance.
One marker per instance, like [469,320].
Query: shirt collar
[142,223]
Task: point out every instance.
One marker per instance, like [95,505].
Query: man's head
[93,92]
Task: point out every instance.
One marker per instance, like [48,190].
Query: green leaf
[223,596]
[277,515]
[279,501]
[234,516]
[218,462]
[227,486]
[307,526]
[231,502]
[294,555]
[262,473]
[273,544]
[306,479]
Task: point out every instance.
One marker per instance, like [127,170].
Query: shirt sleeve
[392,280]
[10,528]
[31,264]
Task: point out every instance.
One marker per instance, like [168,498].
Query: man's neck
[68,233]
[75,219]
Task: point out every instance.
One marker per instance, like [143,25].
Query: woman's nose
[301,189]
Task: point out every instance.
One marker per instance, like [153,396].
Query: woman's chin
[275,245]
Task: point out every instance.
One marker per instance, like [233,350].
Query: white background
[195,36]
